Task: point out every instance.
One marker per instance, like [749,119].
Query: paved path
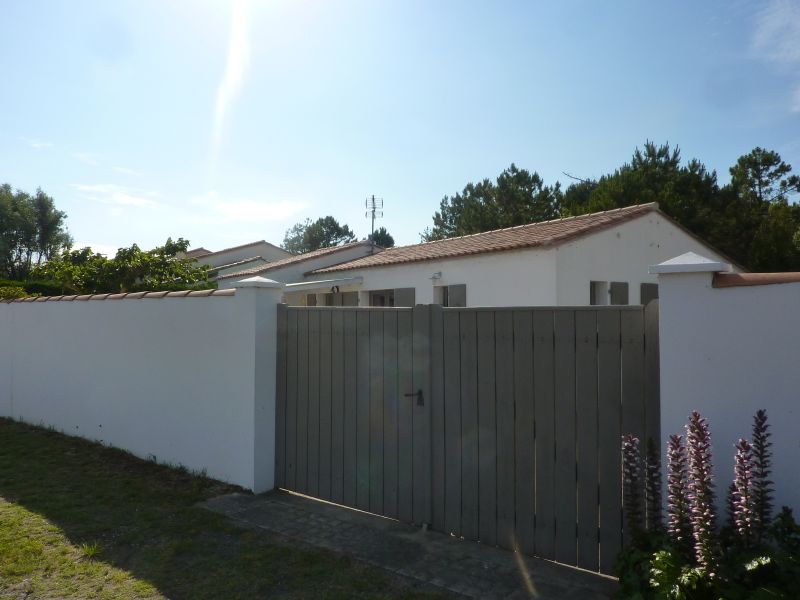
[466,568]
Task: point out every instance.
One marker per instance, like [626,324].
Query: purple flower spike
[678,524]
[744,515]
[701,493]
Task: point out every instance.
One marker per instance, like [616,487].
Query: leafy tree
[516,197]
[325,232]
[132,269]
[762,177]
[31,231]
[751,219]
[382,238]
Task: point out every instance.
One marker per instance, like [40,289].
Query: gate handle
[418,396]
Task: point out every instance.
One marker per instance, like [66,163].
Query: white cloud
[109,251]
[117,195]
[37,144]
[88,158]
[235,69]
[776,40]
[243,210]
[127,171]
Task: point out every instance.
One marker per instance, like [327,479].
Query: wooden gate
[495,424]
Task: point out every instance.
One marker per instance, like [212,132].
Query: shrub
[8,292]
[756,558]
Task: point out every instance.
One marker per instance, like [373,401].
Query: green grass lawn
[78,520]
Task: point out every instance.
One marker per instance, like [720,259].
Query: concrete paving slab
[468,569]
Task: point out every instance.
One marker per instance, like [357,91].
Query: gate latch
[418,396]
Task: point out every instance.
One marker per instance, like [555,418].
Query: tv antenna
[375,209]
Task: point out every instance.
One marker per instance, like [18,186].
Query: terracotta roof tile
[724,280]
[533,235]
[127,296]
[197,253]
[291,260]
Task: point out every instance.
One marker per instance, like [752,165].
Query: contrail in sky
[235,70]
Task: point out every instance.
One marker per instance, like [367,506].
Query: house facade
[595,259]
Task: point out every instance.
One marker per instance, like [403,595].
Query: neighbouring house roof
[237,263]
[533,235]
[241,247]
[296,259]
[197,252]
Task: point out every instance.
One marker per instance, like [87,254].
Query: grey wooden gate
[500,424]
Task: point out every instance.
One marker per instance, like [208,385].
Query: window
[648,293]
[619,292]
[598,293]
[381,298]
[341,299]
[395,297]
[311,299]
[450,295]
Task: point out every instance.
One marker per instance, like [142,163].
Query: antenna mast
[375,209]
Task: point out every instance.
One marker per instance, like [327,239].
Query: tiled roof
[128,296]
[242,246]
[533,235]
[237,263]
[298,258]
[197,253]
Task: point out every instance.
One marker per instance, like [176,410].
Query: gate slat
[608,455]
[325,410]
[487,433]
[632,387]
[291,399]
[543,389]
[452,419]
[437,420]
[422,414]
[302,402]
[362,416]
[652,383]
[376,411]
[524,440]
[280,398]
[349,469]
[405,441]
[313,402]
[469,426]
[586,400]
[337,406]
[390,414]
[504,382]
[566,492]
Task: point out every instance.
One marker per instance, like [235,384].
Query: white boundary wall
[186,380]
[728,352]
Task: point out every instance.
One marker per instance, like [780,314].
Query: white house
[598,258]
[293,269]
[237,258]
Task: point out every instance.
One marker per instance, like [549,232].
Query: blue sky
[227,122]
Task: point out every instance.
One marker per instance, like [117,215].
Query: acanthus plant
[631,478]
[744,514]
[762,485]
[701,493]
[652,486]
[679,524]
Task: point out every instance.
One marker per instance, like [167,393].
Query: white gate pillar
[265,295]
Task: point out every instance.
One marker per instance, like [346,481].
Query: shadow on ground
[461,567]
[142,518]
